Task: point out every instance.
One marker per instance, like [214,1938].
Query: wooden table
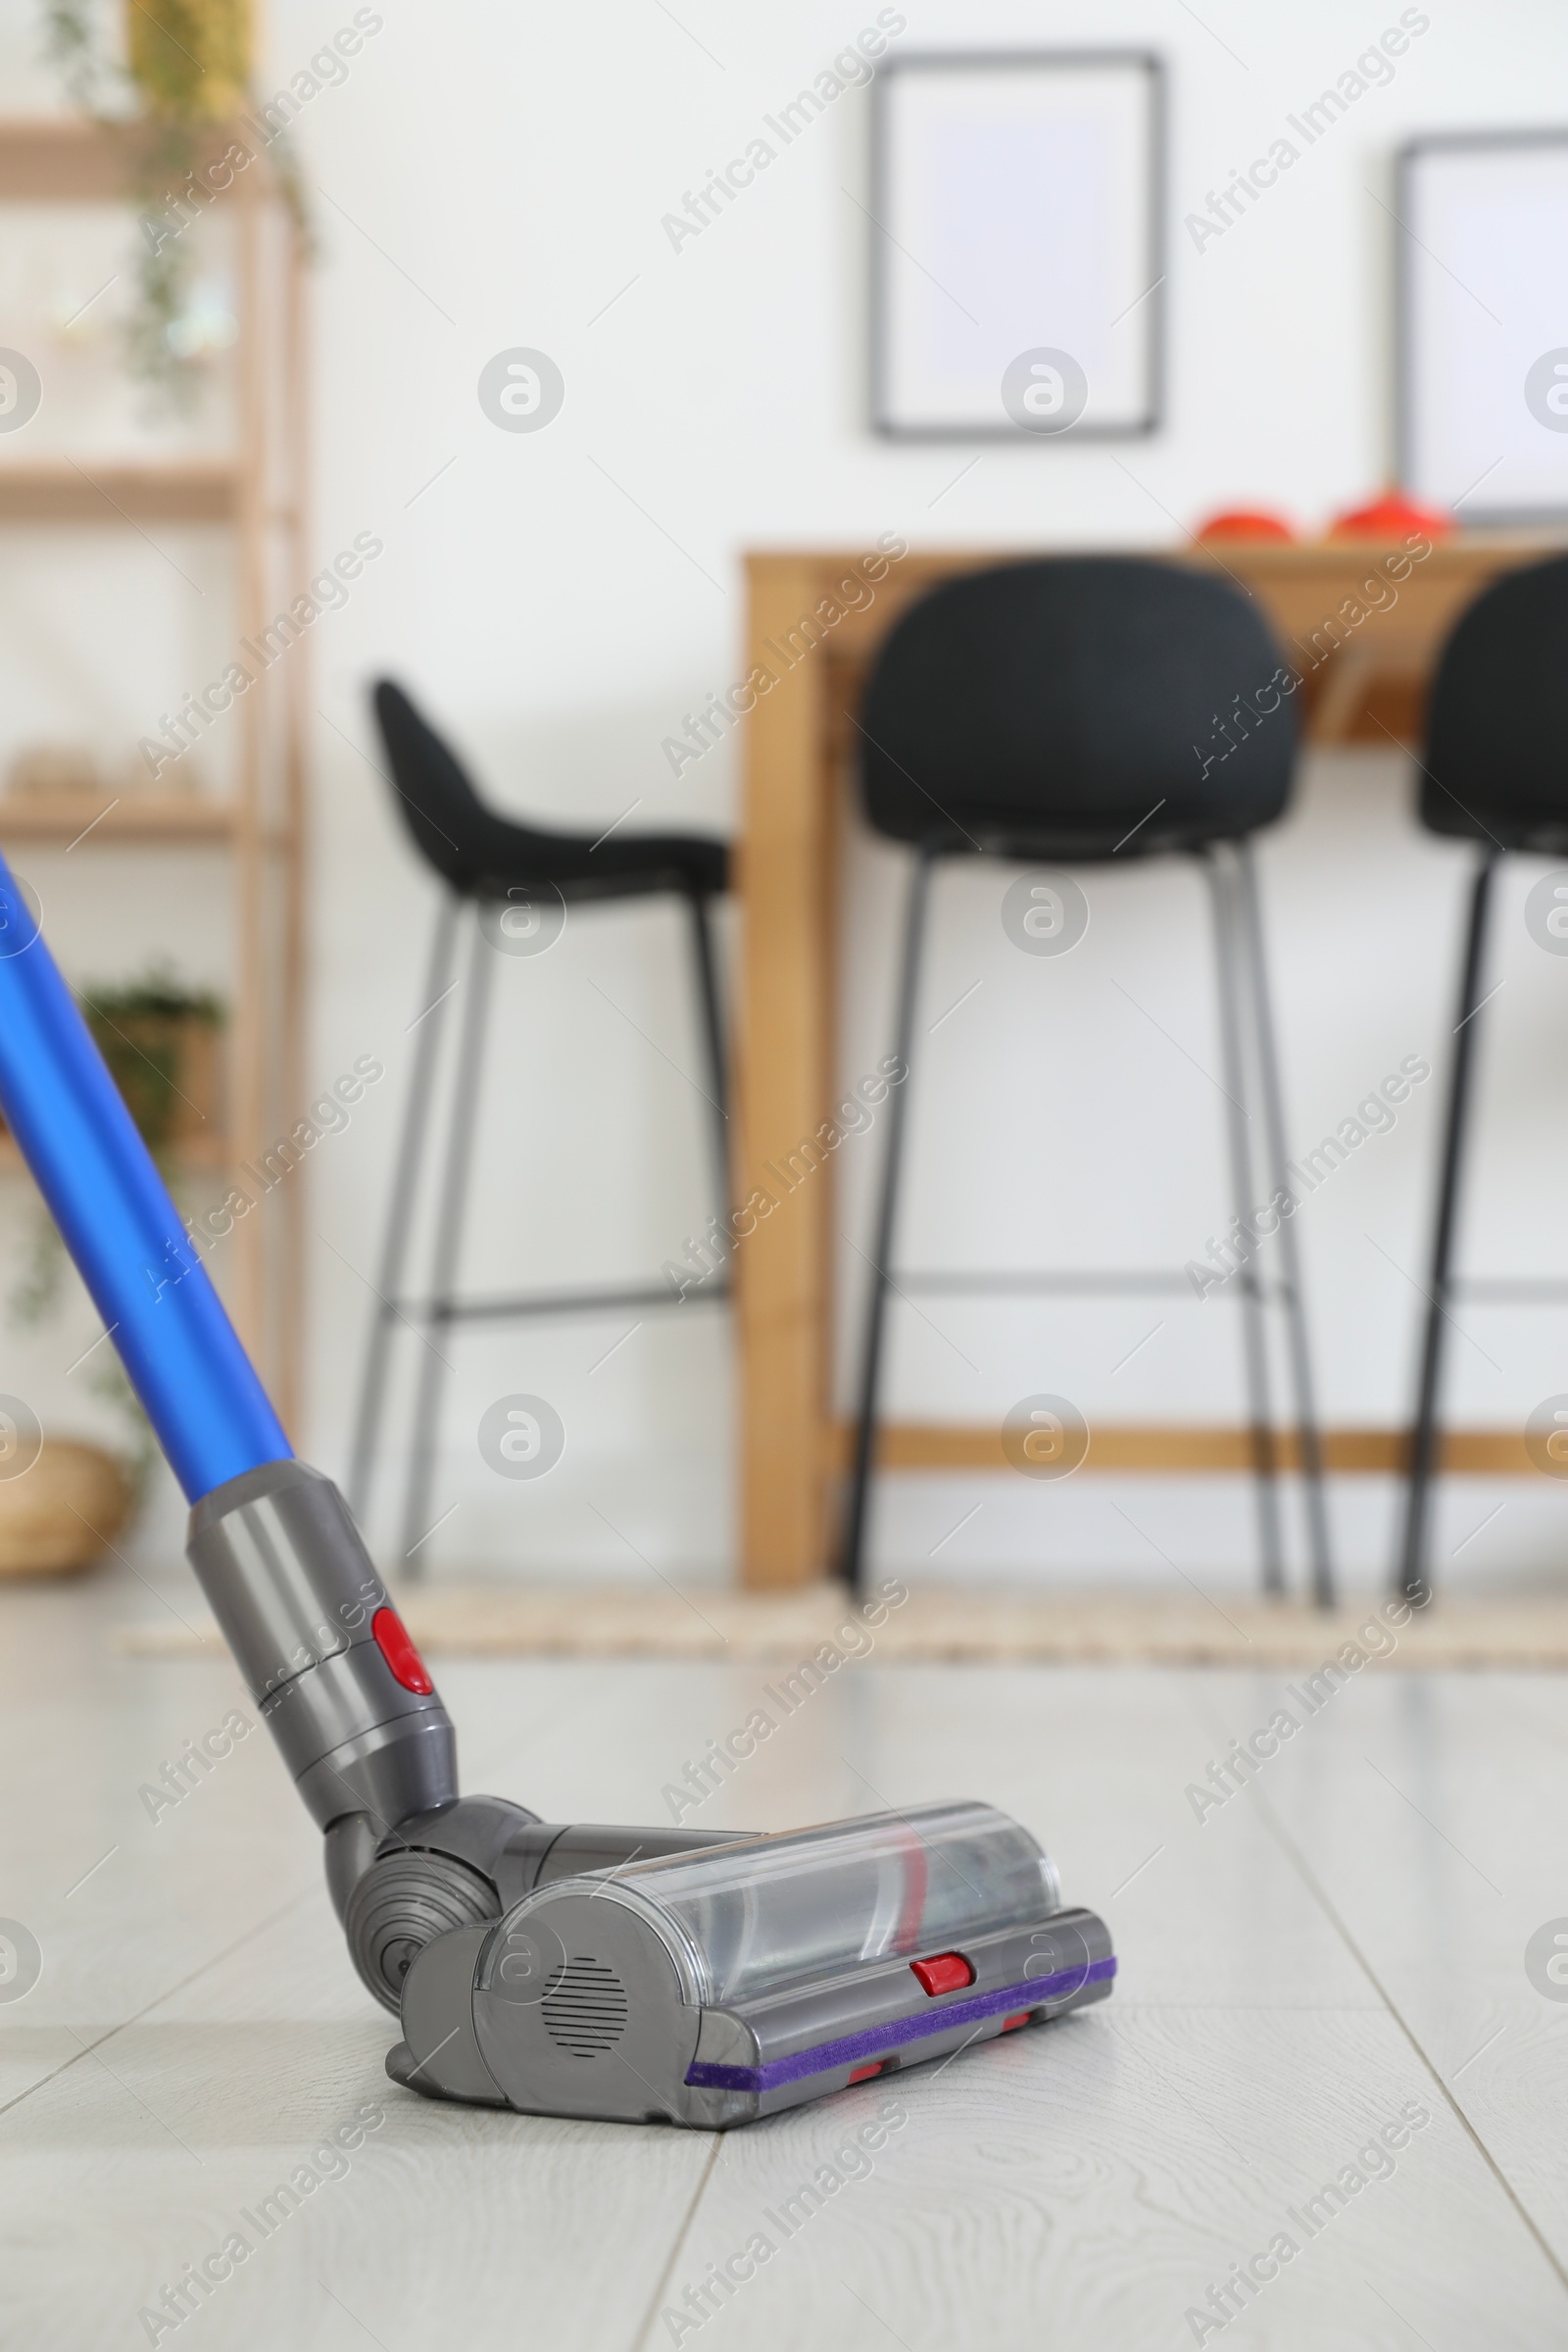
[1365,639]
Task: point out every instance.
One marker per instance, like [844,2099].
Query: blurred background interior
[619,420]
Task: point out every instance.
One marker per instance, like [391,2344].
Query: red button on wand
[391,1636]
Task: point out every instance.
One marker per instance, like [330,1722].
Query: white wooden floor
[1342,1944]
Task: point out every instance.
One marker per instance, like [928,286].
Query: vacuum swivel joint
[325,1654]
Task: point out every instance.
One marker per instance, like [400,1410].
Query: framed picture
[1016,237]
[1483,324]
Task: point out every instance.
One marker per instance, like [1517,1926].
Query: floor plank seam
[91,2049]
[1310,1881]
[679,2241]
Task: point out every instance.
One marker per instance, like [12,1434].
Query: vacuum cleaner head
[713,1987]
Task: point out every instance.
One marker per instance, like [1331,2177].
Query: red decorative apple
[1391,516]
[1246,522]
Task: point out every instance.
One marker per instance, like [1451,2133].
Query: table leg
[784,1087]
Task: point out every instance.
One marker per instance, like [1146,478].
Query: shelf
[51,160]
[66,159]
[202,1156]
[55,490]
[147,816]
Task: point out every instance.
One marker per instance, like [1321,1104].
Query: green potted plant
[160,1039]
[186,72]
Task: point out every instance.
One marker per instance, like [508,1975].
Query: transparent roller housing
[787,1910]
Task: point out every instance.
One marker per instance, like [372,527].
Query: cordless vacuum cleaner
[641,1975]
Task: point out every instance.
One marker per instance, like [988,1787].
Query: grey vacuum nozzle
[590,1969]
[711,1987]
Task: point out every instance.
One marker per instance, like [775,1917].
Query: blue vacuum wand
[636,1973]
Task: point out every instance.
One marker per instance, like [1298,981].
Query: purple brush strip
[854,2048]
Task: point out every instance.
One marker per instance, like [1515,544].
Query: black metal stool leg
[707,996]
[1309,1433]
[853,1562]
[1255,1351]
[1412,1579]
[450,1215]
[400,1214]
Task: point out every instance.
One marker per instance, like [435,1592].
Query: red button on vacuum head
[391,1636]
[945,1973]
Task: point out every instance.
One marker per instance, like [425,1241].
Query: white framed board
[1017,224]
[1483,324]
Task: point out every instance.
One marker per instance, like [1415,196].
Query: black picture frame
[1147,63]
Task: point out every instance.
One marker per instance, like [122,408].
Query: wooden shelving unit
[256,494]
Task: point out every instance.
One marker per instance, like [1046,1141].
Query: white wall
[491,176]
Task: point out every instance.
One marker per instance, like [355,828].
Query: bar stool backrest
[1044,708]
[1497,752]
[449,824]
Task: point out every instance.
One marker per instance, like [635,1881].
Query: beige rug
[988,1628]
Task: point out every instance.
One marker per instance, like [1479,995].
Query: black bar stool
[1074,711]
[514,879]
[1494,772]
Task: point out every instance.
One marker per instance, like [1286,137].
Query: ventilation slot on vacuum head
[584,2007]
